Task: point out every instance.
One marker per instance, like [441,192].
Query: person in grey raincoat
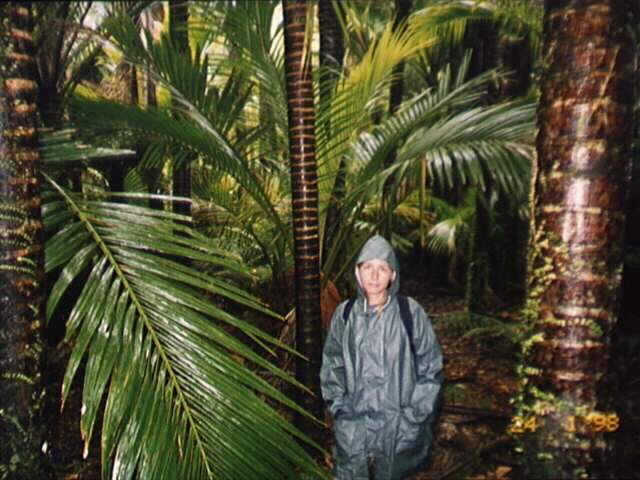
[381,392]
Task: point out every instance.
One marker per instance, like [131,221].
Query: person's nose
[375,274]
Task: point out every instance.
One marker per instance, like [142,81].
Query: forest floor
[470,434]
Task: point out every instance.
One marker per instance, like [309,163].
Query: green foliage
[157,347]
[231,118]
[160,345]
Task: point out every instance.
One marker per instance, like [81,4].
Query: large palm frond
[179,404]
[451,229]
[359,94]
[462,142]
[207,142]
[254,45]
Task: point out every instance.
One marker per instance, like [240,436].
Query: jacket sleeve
[333,380]
[428,356]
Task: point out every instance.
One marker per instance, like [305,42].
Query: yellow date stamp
[593,422]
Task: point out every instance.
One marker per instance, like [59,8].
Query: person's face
[375,276]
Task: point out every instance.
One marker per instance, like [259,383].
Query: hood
[377,247]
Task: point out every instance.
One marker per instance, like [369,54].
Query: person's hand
[328,460]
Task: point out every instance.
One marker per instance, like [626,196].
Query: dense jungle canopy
[184,186]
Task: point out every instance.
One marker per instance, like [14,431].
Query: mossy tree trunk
[21,253]
[585,119]
[304,188]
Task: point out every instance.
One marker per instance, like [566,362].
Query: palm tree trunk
[304,187]
[396,92]
[153,177]
[50,65]
[178,26]
[21,254]
[331,61]
[585,118]
[331,47]
[477,281]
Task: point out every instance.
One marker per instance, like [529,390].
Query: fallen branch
[478,412]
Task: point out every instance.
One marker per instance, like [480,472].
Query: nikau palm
[585,118]
[304,198]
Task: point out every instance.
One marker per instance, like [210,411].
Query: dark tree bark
[153,177]
[477,281]
[50,63]
[56,39]
[304,187]
[482,39]
[585,118]
[178,26]
[21,253]
[331,61]
[396,92]
[331,47]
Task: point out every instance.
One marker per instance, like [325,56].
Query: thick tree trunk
[304,187]
[585,118]
[21,254]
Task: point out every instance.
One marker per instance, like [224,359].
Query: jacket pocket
[410,435]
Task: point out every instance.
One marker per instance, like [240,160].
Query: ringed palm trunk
[585,118]
[21,254]
[304,188]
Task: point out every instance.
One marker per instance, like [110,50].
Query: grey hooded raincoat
[382,396]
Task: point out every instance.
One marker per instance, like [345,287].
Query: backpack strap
[347,309]
[405,315]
